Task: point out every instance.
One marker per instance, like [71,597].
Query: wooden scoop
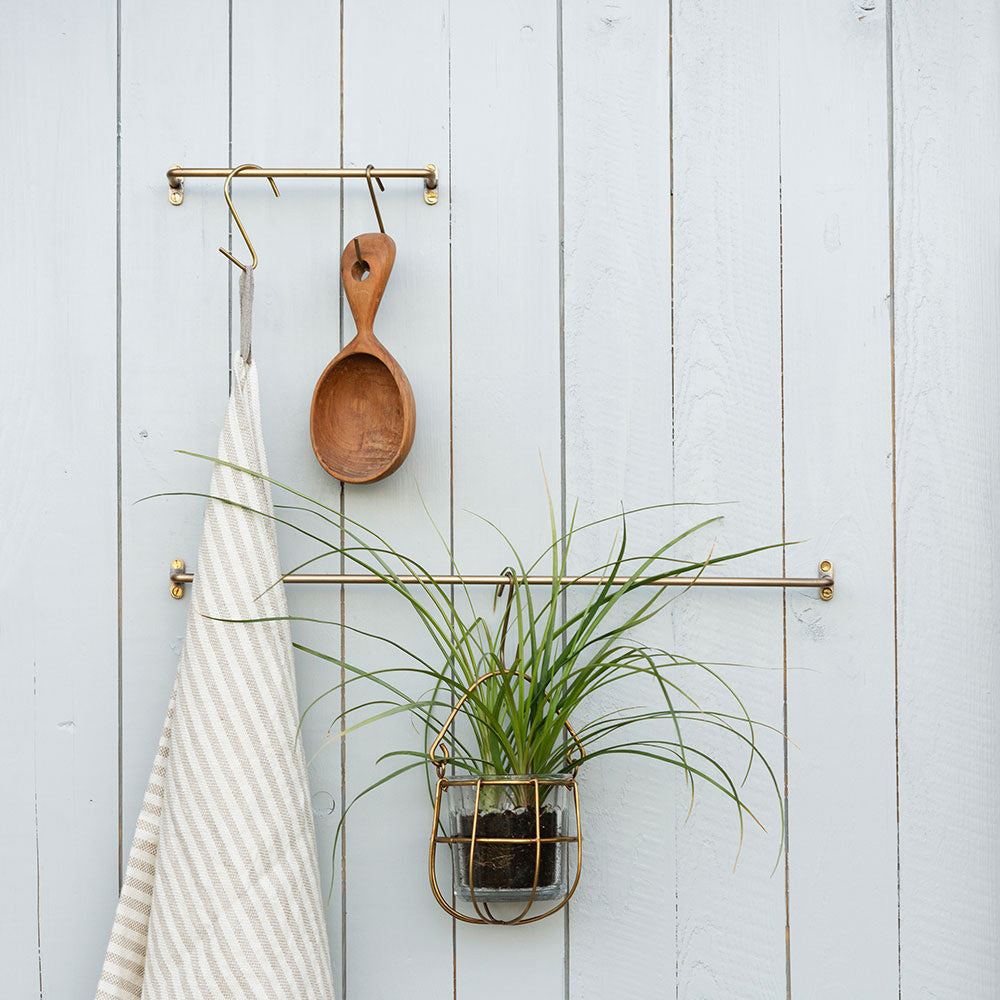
[362,417]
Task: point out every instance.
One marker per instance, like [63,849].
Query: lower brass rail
[823,583]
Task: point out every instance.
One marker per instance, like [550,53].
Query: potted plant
[510,706]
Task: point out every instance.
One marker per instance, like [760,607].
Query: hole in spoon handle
[365,280]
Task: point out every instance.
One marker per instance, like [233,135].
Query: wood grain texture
[396,111]
[838,499]
[946,143]
[283,62]
[727,447]
[58,431]
[618,453]
[506,377]
[175,349]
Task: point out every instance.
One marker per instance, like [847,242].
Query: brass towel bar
[823,583]
[177,173]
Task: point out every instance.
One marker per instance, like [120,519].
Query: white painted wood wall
[740,251]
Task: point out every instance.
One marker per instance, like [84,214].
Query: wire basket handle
[440,746]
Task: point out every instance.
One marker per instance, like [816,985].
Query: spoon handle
[365,281]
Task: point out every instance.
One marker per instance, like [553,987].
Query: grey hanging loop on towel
[246,313]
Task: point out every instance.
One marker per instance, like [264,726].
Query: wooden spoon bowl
[363,416]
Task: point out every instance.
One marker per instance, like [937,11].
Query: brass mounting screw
[431,193]
[826,569]
[177,589]
[176,194]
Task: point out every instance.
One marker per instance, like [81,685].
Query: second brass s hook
[371,191]
[378,214]
[510,582]
[236,218]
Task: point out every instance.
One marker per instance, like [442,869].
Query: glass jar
[518,846]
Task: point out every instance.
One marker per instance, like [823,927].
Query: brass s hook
[378,215]
[371,191]
[511,583]
[236,218]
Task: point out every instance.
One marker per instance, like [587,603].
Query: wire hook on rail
[371,191]
[378,214]
[236,218]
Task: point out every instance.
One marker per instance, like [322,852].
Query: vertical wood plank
[175,345]
[506,382]
[396,113]
[58,505]
[838,495]
[946,141]
[617,400]
[296,326]
[727,447]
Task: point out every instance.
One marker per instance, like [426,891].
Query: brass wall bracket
[177,173]
[826,572]
[177,567]
[179,576]
[175,185]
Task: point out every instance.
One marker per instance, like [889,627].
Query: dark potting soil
[510,866]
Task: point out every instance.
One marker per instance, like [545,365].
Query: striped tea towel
[221,896]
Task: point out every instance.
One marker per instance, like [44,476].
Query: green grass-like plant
[556,658]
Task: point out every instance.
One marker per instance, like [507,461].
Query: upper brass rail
[823,583]
[177,173]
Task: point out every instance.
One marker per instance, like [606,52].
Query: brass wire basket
[464,846]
